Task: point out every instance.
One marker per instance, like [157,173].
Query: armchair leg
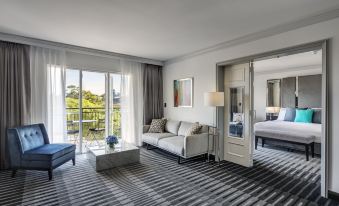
[256,142]
[179,160]
[50,174]
[14,173]
[73,161]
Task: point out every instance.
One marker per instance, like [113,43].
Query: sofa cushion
[153,138]
[48,152]
[157,126]
[172,126]
[173,144]
[184,127]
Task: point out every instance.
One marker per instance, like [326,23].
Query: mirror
[236,116]
[273,93]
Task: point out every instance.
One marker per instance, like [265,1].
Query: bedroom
[274,116]
[287,102]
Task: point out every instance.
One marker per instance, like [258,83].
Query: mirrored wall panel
[236,123]
[273,93]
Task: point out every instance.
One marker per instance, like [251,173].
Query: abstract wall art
[183,92]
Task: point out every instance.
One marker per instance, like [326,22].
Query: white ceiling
[302,61]
[156,29]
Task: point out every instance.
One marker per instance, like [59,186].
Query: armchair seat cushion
[48,152]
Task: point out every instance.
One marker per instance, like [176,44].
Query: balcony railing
[93,124]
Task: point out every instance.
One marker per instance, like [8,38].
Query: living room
[140,102]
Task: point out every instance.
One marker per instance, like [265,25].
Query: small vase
[111,146]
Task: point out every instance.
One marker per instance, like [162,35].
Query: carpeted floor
[278,178]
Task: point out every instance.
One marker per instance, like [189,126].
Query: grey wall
[260,80]
[288,88]
[309,91]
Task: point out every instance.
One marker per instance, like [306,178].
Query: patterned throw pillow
[157,126]
[195,129]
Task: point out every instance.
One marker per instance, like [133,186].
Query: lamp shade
[214,99]
[272,110]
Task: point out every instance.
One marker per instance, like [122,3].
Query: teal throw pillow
[304,116]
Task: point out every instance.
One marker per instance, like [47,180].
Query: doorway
[223,121]
[92,107]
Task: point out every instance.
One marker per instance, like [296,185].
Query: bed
[291,132]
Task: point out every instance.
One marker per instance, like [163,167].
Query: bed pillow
[316,116]
[290,114]
[304,116]
[282,114]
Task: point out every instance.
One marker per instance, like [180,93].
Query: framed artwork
[183,92]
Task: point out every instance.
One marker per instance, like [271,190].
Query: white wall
[203,69]
[260,85]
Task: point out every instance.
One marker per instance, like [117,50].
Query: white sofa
[174,140]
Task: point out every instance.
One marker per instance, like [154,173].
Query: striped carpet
[278,178]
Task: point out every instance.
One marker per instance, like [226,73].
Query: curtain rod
[76,49]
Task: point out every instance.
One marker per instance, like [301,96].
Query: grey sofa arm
[196,144]
[145,128]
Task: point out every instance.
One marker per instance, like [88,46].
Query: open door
[238,116]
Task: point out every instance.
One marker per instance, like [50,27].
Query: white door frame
[323,44]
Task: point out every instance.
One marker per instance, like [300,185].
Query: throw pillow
[282,114]
[304,116]
[238,117]
[316,115]
[290,114]
[157,126]
[195,129]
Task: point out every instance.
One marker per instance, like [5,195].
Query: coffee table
[104,157]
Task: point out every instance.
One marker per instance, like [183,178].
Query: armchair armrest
[196,144]
[14,148]
[145,128]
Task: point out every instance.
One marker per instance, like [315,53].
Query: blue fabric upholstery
[30,137]
[29,148]
[48,152]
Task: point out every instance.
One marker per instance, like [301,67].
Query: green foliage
[93,109]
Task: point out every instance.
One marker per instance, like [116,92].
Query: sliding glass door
[93,113]
[93,108]
[114,105]
[73,107]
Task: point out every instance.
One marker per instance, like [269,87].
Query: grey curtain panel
[153,93]
[14,91]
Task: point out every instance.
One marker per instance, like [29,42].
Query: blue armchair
[29,148]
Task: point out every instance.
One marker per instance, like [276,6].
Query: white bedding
[281,127]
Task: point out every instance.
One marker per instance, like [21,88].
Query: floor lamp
[214,99]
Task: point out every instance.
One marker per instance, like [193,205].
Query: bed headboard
[309,91]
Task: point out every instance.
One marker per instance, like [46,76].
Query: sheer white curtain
[48,91]
[131,101]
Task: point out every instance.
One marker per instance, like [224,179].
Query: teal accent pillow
[304,116]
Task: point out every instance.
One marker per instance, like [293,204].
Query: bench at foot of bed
[308,146]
